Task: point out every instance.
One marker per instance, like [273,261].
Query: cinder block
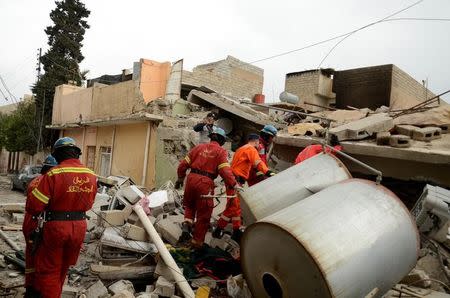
[132,193]
[120,286]
[383,138]
[133,232]
[400,141]
[170,228]
[427,134]
[111,218]
[363,128]
[96,290]
[163,287]
[406,130]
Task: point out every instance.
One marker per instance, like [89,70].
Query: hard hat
[64,142]
[252,136]
[219,131]
[270,129]
[50,161]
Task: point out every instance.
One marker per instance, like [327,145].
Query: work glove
[179,183]
[270,173]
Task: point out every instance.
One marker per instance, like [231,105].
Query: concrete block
[163,287]
[383,138]
[133,232]
[406,130]
[427,134]
[96,290]
[133,219]
[124,294]
[149,288]
[417,277]
[120,286]
[69,292]
[400,141]
[111,218]
[132,193]
[147,295]
[363,128]
[161,269]
[170,227]
[18,218]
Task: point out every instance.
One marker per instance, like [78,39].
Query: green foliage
[18,129]
[61,60]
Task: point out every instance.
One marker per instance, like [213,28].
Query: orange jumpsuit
[255,176]
[206,161]
[244,161]
[68,187]
[29,225]
[313,150]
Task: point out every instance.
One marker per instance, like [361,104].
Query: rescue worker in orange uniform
[29,225]
[245,160]
[205,162]
[266,136]
[313,150]
[60,202]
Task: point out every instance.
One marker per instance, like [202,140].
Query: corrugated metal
[344,241]
[291,185]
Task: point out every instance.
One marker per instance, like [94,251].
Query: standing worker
[206,127]
[245,159]
[30,225]
[313,150]
[266,136]
[60,202]
[206,161]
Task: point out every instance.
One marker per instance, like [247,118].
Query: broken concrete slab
[147,295]
[164,288]
[417,277]
[133,232]
[305,129]
[363,128]
[69,292]
[445,128]
[111,237]
[164,271]
[98,289]
[122,272]
[132,193]
[121,285]
[13,207]
[427,134]
[383,138]
[124,294]
[169,226]
[109,218]
[18,218]
[400,141]
[406,130]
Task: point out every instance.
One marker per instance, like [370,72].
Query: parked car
[21,180]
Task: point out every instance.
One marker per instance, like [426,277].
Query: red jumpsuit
[206,161]
[67,187]
[313,150]
[256,176]
[245,160]
[29,224]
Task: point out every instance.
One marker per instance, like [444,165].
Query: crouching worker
[206,162]
[60,202]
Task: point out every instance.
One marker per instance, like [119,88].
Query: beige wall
[70,102]
[153,79]
[104,139]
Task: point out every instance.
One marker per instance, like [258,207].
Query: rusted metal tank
[347,240]
[291,185]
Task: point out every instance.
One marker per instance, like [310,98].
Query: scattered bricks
[164,288]
[111,217]
[170,227]
[383,138]
[18,218]
[417,277]
[363,128]
[406,130]
[132,193]
[445,128]
[120,286]
[133,232]
[96,290]
[124,294]
[400,141]
[427,134]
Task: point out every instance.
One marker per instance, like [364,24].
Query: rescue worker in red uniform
[266,136]
[29,225]
[61,200]
[244,161]
[313,150]
[205,162]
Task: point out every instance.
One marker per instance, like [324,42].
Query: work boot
[217,233]
[237,235]
[186,234]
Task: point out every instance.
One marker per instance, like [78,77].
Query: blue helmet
[270,129]
[219,131]
[64,142]
[50,161]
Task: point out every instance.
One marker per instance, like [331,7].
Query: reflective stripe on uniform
[223,165]
[236,218]
[70,170]
[257,162]
[29,270]
[259,173]
[224,217]
[40,196]
[187,159]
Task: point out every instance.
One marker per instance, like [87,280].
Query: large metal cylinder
[289,98]
[291,185]
[345,241]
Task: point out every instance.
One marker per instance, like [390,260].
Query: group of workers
[55,224]
[206,162]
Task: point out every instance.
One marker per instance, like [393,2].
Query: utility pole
[38,68]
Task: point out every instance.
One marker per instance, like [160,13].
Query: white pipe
[147,145]
[165,254]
